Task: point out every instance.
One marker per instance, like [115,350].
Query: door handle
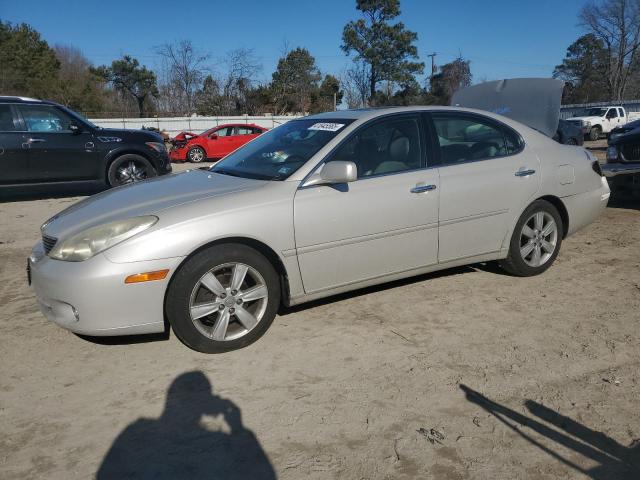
[422,188]
[524,173]
[89,145]
[35,140]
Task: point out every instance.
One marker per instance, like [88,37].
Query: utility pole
[433,65]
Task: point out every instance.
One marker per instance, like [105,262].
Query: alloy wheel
[228,301]
[538,239]
[131,172]
[196,155]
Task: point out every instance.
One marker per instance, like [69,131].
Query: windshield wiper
[222,171]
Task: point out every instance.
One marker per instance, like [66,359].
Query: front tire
[535,241]
[197,155]
[223,298]
[129,168]
[594,133]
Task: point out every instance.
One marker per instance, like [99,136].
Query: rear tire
[535,241]
[594,133]
[129,168]
[223,298]
[196,155]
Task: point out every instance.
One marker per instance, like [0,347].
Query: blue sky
[502,38]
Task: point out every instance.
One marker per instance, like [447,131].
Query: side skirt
[486,257]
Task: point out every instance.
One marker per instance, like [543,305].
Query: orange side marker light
[147,276]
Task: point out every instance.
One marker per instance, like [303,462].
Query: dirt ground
[467,373]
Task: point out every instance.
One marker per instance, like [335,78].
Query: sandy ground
[468,373]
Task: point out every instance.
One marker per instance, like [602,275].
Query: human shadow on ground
[177,445]
[615,461]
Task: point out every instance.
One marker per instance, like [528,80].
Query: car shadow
[614,461]
[489,267]
[178,445]
[625,199]
[28,193]
[127,339]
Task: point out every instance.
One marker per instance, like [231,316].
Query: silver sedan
[318,206]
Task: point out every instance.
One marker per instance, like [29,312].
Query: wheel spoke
[527,249]
[548,246]
[211,283]
[549,229]
[536,259]
[246,318]
[239,272]
[254,293]
[204,309]
[219,331]
[527,232]
[538,220]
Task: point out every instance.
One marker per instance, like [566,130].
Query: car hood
[586,119]
[534,102]
[108,134]
[145,198]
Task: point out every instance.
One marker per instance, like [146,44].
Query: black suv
[42,142]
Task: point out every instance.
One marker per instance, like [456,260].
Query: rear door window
[245,131]
[468,138]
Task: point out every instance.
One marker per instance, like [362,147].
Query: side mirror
[213,136]
[75,128]
[334,173]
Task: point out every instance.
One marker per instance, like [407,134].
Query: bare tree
[617,24]
[355,81]
[185,70]
[242,68]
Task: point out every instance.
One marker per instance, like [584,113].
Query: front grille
[49,243]
[631,152]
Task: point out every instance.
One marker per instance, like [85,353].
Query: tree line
[604,63]
[383,72]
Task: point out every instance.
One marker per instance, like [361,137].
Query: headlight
[157,146]
[612,154]
[94,240]
[587,123]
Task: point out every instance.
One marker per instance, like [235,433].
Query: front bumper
[615,169]
[91,297]
[163,162]
[178,155]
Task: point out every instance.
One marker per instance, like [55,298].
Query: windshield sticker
[326,127]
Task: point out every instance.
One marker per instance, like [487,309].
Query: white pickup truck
[599,120]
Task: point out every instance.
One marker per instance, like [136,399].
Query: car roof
[370,113]
[237,125]
[18,99]
[27,100]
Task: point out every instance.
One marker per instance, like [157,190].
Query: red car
[214,143]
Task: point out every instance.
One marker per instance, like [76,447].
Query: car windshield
[596,112]
[278,153]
